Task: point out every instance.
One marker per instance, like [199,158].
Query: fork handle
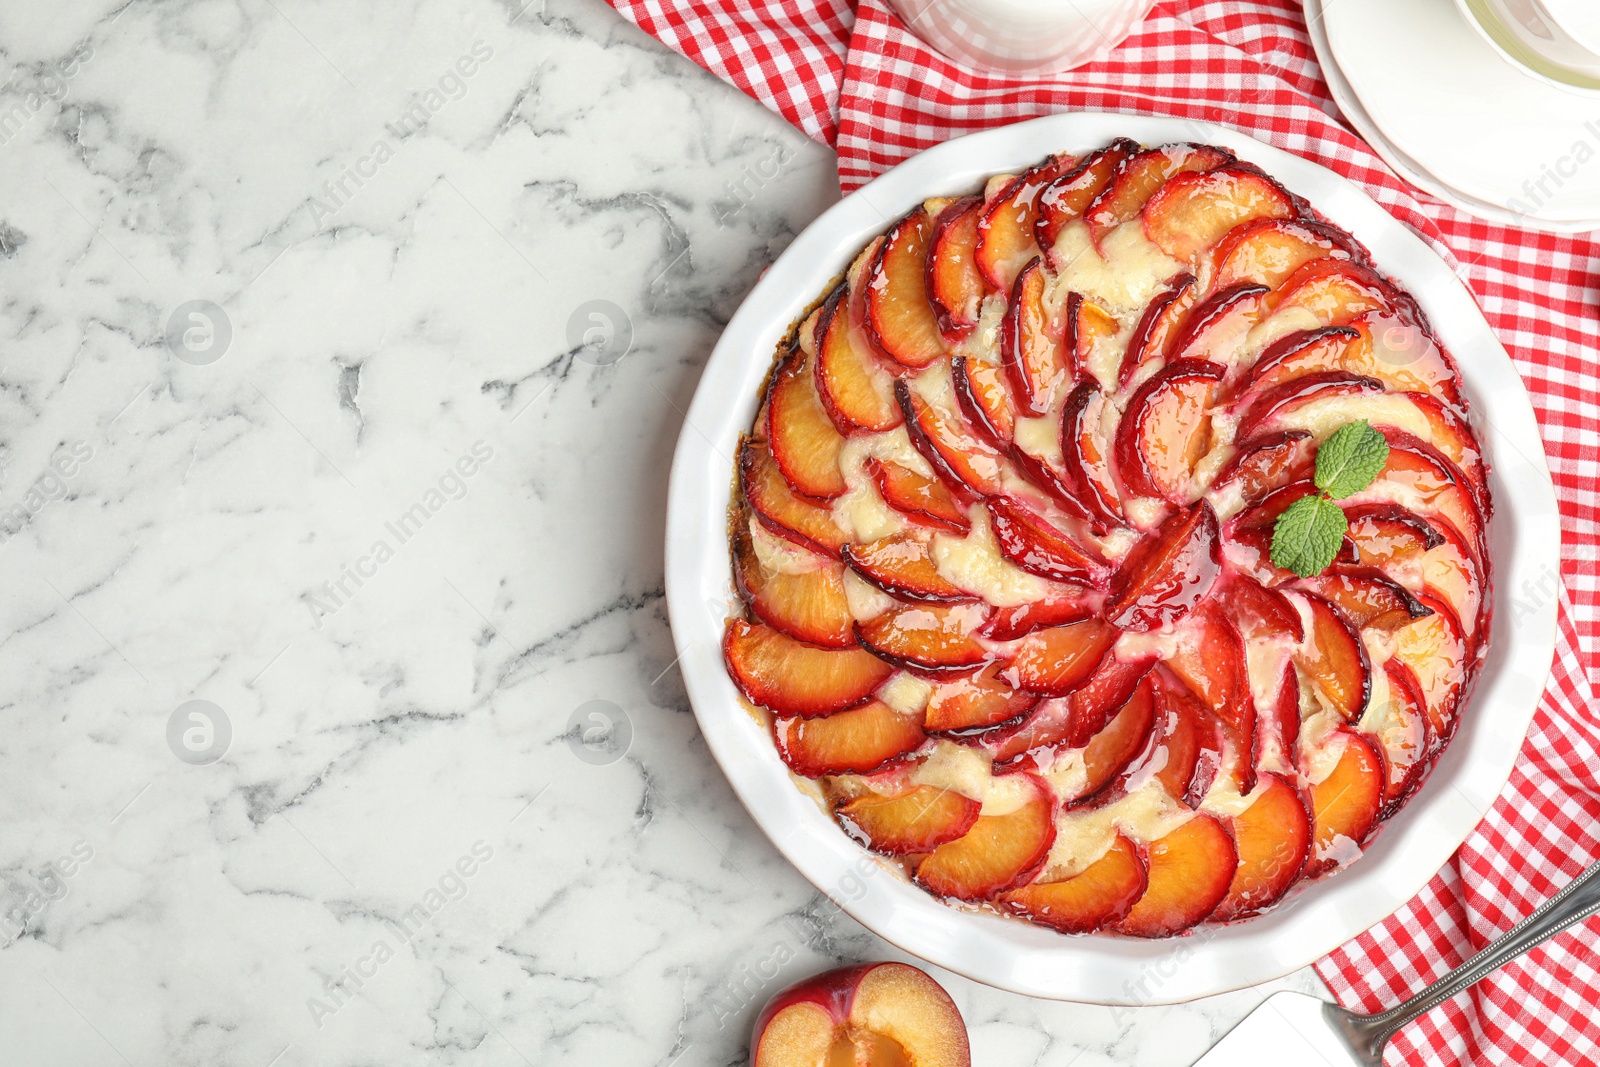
[1577,900]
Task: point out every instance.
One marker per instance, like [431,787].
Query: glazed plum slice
[1140,176]
[1067,197]
[1006,230]
[899,316]
[955,284]
[1273,837]
[1191,211]
[1165,429]
[807,604]
[1168,572]
[790,677]
[1101,893]
[853,383]
[973,701]
[917,820]
[1031,343]
[1190,870]
[999,851]
[857,740]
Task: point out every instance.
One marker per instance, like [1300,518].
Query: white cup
[1557,41]
[1023,36]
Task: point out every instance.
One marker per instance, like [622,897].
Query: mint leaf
[1308,534]
[1350,458]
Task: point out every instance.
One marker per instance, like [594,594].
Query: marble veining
[344,350]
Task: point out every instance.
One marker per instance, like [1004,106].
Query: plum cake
[1110,544]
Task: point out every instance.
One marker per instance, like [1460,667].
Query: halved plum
[1101,893]
[927,637]
[857,740]
[899,316]
[1165,429]
[789,677]
[919,819]
[954,282]
[1190,869]
[998,853]
[1168,572]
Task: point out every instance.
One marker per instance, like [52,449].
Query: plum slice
[1168,572]
[857,740]
[1190,869]
[1165,429]
[789,677]
[899,316]
[999,852]
[1101,893]
[917,820]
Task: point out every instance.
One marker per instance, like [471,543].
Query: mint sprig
[1307,535]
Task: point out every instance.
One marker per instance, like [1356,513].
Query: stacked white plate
[1433,87]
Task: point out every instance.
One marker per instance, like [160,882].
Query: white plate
[1525,540]
[1403,165]
[1445,98]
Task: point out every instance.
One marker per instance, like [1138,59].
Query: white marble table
[295,420]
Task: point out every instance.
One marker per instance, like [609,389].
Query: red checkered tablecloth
[852,77]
